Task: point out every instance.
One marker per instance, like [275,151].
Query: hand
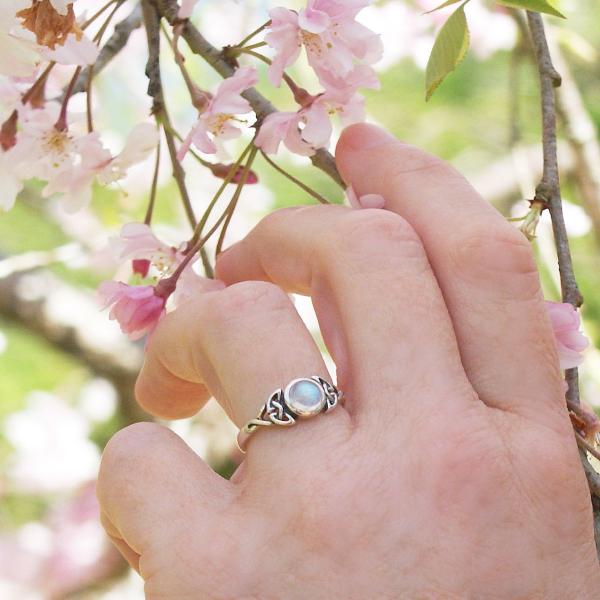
[450,472]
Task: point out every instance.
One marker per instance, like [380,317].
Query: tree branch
[322,159]
[113,46]
[548,190]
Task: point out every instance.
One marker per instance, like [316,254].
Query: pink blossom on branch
[18,55]
[137,242]
[330,34]
[215,121]
[136,308]
[76,50]
[69,162]
[570,342]
[310,128]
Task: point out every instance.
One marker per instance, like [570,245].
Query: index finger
[485,268]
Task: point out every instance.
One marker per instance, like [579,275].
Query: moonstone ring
[301,399]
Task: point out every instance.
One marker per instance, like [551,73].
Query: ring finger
[242,343]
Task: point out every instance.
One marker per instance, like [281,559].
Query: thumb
[155,493]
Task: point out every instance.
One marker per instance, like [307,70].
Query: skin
[451,471]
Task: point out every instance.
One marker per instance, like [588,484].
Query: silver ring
[302,398]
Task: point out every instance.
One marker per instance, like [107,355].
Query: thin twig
[159,109]
[548,190]
[295,180]
[322,159]
[155,91]
[113,46]
[235,199]
[154,187]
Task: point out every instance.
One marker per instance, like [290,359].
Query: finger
[152,488]
[133,558]
[185,394]
[484,266]
[243,342]
[378,303]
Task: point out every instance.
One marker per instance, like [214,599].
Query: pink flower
[570,342]
[220,111]
[137,308]
[138,243]
[283,127]
[75,51]
[366,201]
[18,54]
[70,162]
[329,32]
[310,128]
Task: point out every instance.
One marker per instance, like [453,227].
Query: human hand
[451,471]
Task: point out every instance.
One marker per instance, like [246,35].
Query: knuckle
[248,294]
[373,231]
[138,445]
[242,298]
[500,253]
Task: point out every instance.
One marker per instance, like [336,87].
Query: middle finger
[379,305]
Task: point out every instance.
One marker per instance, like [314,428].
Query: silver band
[301,399]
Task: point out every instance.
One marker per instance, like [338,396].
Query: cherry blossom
[330,34]
[136,308]
[18,55]
[75,51]
[570,342]
[137,242]
[67,161]
[222,108]
[310,128]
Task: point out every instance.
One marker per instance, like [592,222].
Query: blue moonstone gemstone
[305,397]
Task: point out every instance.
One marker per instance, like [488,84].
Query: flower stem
[97,14]
[293,179]
[232,171]
[153,189]
[61,124]
[236,196]
[41,80]
[253,34]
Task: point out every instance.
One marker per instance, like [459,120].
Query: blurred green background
[484,119]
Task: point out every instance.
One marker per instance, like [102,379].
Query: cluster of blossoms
[39,138]
[340,51]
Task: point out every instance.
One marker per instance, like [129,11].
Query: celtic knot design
[276,410]
[332,394]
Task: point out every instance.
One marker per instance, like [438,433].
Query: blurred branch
[113,46]
[322,159]
[581,134]
[36,301]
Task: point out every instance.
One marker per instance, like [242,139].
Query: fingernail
[365,137]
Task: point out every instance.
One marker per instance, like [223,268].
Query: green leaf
[541,6]
[449,49]
[443,5]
